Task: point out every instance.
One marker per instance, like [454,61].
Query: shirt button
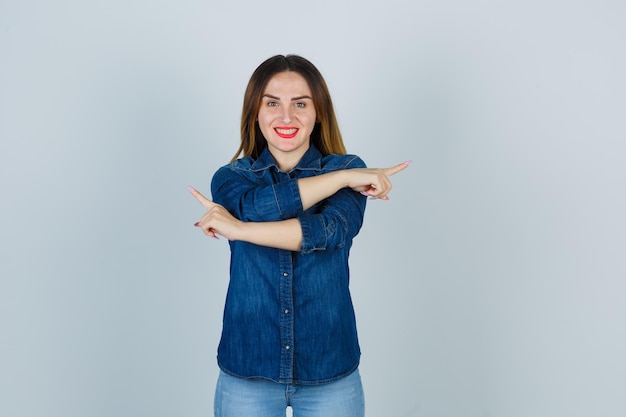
[285,274]
[287,347]
[286,311]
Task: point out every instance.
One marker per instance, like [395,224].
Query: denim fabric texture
[238,397]
[288,315]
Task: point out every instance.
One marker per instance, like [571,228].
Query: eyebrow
[293,99]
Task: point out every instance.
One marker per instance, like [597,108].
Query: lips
[286,132]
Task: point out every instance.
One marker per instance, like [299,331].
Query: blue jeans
[237,397]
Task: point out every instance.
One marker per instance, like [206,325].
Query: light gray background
[490,285]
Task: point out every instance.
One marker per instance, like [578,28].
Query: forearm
[286,234]
[373,182]
[315,189]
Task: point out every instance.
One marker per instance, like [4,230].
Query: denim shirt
[288,315]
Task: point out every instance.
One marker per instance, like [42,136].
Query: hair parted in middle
[325,136]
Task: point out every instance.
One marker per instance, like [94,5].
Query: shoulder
[335,162]
[241,164]
[240,168]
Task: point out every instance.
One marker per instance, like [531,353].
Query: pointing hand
[216,220]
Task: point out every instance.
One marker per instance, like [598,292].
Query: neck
[287,160]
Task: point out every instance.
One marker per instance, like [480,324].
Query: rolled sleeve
[335,226]
[313,233]
[287,194]
[249,199]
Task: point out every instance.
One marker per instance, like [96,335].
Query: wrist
[242,231]
[341,179]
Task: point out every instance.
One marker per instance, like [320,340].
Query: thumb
[202,199]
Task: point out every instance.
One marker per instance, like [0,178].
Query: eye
[272,103]
[300,105]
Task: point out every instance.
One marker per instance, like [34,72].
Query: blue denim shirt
[288,315]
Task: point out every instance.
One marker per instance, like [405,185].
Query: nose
[286,114]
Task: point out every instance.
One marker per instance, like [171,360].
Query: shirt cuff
[313,233]
[287,194]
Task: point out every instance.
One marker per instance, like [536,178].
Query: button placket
[286,318]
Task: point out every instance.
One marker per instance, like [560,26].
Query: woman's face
[287,117]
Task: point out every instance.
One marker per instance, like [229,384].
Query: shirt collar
[311,160]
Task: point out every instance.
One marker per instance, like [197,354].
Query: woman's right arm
[289,233]
[252,202]
[373,182]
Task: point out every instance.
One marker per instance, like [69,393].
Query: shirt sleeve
[334,222]
[253,202]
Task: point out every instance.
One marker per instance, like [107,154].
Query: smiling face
[287,117]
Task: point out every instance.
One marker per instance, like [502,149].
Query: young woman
[290,209]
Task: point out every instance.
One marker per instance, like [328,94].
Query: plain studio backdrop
[491,284]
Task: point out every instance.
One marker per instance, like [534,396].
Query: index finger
[202,199]
[397,168]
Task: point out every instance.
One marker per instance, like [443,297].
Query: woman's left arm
[283,234]
[336,222]
[333,225]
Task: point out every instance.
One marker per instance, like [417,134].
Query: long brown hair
[325,136]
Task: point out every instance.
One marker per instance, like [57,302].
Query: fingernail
[190,188]
[408,162]
[197,224]
[364,193]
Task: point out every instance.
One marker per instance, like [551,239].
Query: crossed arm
[287,234]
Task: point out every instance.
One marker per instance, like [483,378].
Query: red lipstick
[286,132]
